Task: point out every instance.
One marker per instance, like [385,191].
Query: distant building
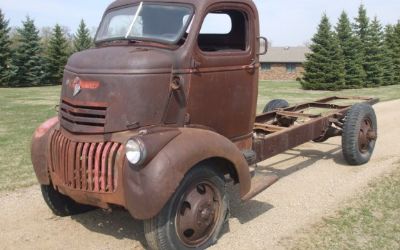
[283,63]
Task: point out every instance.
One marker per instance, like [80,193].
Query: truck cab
[161,113]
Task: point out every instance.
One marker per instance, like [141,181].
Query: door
[223,91]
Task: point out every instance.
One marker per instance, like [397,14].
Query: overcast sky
[284,22]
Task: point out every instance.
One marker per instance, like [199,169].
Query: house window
[290,67]
[265,66]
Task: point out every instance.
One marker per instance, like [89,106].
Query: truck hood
[115,89]
[121,60]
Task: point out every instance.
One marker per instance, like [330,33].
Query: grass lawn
[369,222]
[23,109]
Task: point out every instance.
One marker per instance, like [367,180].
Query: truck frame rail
[283,129]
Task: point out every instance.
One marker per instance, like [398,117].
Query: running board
[259,183]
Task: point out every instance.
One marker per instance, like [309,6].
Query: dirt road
[315,181]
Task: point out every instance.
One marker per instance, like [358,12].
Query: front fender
[149,189]
[39,150]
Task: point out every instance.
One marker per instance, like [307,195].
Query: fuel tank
[117,88]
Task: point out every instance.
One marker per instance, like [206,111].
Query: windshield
[146,21]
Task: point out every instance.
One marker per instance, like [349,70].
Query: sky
[283,22]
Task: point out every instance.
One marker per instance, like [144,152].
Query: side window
[229,35]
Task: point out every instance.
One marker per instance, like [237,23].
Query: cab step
[260,182]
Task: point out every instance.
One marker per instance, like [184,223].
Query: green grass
[23,109]
[370,222]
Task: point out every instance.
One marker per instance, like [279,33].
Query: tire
[176,230]
[359,134]
[60,204]
[275,104]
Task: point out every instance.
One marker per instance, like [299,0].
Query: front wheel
[194,216]
[62,205]
[359,134]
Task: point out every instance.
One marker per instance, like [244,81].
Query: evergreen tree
[362,23]
[361,28]
[27,60]
[396,53]
[350,44]
[56,56]
[5,51]
[374,56]
[82,38]
[324,68]
[389,55]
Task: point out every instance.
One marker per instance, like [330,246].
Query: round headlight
[134,151]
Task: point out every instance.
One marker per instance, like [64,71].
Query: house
[283,63]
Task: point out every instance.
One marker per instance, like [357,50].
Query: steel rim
[367,135]
[197,214]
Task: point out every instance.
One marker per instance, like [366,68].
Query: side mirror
[263,45]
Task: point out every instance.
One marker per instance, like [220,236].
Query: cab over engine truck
[160,114]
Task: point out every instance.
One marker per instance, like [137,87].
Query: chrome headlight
[135,151]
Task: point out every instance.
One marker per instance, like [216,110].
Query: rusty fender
[147,190]
[39,150]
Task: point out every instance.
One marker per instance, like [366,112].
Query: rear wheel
[275,104]
[62,205]
[359,134]
[194,216]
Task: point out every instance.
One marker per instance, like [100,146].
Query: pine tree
[82,38]
[5,51]
[374,56]
[389,55]
[324,68]
[350,44]
[56,56]
[27,60]
[396,50]
[361,28]
[362,23]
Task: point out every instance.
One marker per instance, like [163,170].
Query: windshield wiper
[134,19]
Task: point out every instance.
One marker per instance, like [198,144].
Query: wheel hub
[196,217]
[366,136]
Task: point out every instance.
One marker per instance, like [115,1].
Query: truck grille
[85,166]
[81,118]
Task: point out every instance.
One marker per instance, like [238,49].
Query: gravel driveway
[315,182]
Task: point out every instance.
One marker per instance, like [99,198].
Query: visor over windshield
[146,22]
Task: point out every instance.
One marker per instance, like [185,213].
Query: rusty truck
[161,113]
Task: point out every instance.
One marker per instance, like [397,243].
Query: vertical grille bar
[84,165]
[111,160]
[78,166]
[71,164]
[104,168]
[62,158]
[91,166]
[97,167]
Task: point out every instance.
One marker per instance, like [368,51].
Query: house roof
[285,55]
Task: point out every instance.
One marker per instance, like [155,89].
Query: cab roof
[196,3]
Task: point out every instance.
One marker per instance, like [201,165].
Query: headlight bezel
[141,149]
